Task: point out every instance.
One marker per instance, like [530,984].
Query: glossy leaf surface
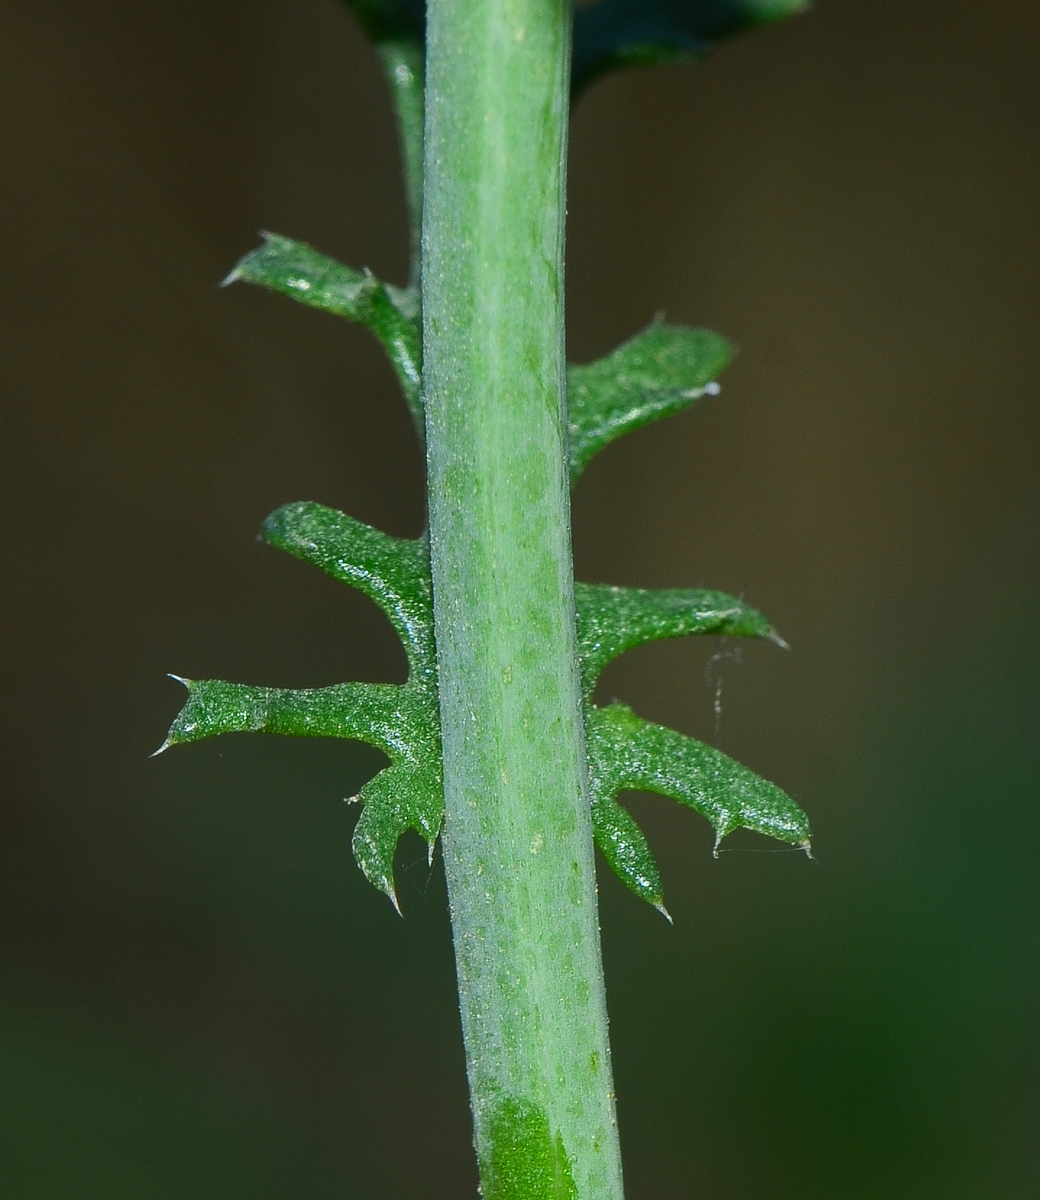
[393,572]
[626,752]
[401,720]
[658,373]
[612,620]
[366,712]
[296,270]
[623,844]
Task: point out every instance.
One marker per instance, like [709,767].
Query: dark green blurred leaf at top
[391,20]
[615,33]
[610,33]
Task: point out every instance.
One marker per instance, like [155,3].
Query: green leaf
[365,712]
[611,33]
[624,846]
[658,373]
[398,798]
[393,572]
[396,575]
[611,620]
[617,33]
[626,752]
[401,720]
[296,270]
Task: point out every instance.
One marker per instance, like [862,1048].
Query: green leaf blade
[296,270]
[626,752]
[657,373]
[401,721]
[399,798]
[611,620]
[393,572]
[624,846]
[365,712]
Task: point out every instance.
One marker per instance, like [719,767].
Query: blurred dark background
[199,995]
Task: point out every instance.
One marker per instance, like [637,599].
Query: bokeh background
[199,995]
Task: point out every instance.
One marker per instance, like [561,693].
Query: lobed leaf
[617,33]
[296,270]
[658,373]
[403,720]
[611,620]
[626,752]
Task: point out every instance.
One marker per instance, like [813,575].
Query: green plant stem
[517,837]
[403,63]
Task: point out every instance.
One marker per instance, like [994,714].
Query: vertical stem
[403,63]
[517,837]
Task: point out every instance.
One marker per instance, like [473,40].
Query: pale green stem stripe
[518,837]
[403,64]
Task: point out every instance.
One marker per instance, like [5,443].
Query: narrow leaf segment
[295,270]
[658,373]
[612,620]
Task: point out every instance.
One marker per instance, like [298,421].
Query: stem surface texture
[517,835]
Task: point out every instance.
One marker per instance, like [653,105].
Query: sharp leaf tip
[664,913]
